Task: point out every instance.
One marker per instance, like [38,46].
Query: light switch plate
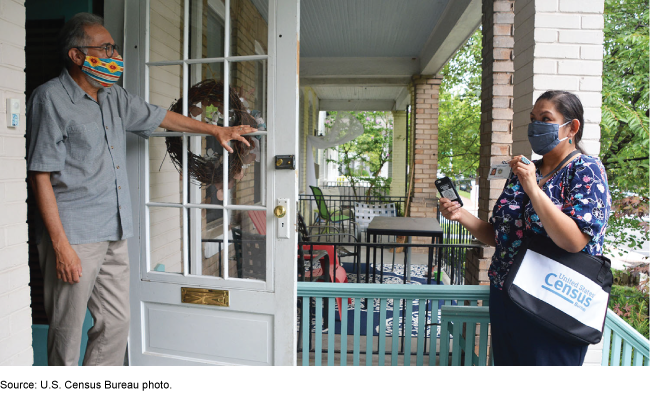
[13,113]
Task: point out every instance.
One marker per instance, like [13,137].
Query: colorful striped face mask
[106,71]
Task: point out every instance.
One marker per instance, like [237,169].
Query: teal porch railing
[464,334]
[317,301]
[462,322]
[622,344]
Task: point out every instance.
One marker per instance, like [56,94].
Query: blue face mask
[543,137]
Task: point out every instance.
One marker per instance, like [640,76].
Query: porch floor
[417,259]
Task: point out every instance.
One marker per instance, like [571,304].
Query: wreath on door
[206,97]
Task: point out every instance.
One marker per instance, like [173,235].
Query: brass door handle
[280,211]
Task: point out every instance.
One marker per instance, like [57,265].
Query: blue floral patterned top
[579,189]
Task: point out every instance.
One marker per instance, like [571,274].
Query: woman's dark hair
[73,34]
[569,106]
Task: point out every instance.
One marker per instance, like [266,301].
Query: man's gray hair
[74,35]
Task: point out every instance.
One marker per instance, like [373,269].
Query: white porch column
[559,46]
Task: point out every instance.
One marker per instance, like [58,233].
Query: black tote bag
[566,292]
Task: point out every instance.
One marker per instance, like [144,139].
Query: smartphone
[448,190]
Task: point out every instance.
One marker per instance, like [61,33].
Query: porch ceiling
[361,54]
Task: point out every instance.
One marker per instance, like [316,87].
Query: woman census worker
[563,196]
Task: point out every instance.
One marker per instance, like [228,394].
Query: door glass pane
[165,182]
[165,239]
[248,79]
[249,26]
[165,85]
[166,30]
[207,29]
[247,258]
[210,254]
[246,243]
[206,158]
[249,186]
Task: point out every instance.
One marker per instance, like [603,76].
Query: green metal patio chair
[324,215]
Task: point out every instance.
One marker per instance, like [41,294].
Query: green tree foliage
[460,111]
[362,159]
[624,126]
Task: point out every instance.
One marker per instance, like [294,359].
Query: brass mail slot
[210,297]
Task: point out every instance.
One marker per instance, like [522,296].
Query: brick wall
[559,45]
[425,133]
[496,97]
[15,311]
[477,264]
[496,119]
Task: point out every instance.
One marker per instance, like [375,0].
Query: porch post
[426,90]
[398,163]
[496,118]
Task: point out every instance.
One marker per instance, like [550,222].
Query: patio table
[409,227]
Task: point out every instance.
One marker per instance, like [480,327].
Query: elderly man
[76,126]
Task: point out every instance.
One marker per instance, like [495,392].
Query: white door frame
[274,307]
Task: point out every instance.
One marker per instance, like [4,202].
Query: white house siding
[15,311]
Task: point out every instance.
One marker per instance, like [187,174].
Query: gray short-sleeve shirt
[82,143]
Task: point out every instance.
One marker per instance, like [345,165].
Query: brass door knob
[280,211]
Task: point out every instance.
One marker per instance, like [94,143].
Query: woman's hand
[450,210]
[525,173]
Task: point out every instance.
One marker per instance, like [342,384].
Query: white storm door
[213,282]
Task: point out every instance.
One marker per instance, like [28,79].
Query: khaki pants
[103,289]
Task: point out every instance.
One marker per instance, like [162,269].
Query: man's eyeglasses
[108,48]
